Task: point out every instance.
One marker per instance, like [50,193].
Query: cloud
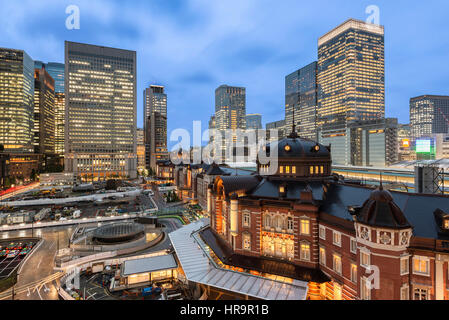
[193,46]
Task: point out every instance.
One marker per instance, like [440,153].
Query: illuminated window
[337,263]
[305,251]
[281,169]
[322,170]
[404,265]
[287,169]
[294,170]
[365,259]
[305,226]
[354,272]
[282,189]
[446,224]
[421,265]
[323,256]
[365,289]
[311,170]
[317,170]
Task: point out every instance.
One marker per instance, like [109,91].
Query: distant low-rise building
[364,143]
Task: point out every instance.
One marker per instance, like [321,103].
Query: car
[24,251]
[12,254]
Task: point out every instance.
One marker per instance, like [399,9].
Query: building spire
[293,134]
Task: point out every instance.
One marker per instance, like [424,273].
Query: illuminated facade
[230,114]
[16,101]
[57,71]
[347,242]
[155,125]
[429,115]
[405,151]
[100,107]
[140,149]
[44,113]
[351,74]
[301,96]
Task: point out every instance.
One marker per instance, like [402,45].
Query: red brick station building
[347,241]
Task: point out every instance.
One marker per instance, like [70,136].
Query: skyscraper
[100,106]
[351,74]
[44,113]
[301,96]
[57,72]
[155,125]
[230,114]
[140,149]
[16,100]
[254,121]
[429,115]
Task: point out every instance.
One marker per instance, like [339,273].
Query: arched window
[267,221]
[279,222]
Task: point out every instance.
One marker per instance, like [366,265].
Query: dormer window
[287,148]
[446,224]
[281,189]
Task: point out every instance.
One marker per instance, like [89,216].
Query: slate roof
[300,148]
[238,183]
[270,189]
[418,209]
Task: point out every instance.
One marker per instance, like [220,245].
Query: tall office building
[16,101]
[100,107]
[140,149]
[301,96]
[57,72]
[254,121]
[230,114]
[351,74]
[155,125]
[44,113]
[429,115]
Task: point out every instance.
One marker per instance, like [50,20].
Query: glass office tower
[155,125]
[301,96]
[100,108]
[230,114]
[44,112]
[429,115]
[16,101]
[351,74]
[57,72]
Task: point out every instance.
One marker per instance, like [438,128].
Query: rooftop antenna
[294,135]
